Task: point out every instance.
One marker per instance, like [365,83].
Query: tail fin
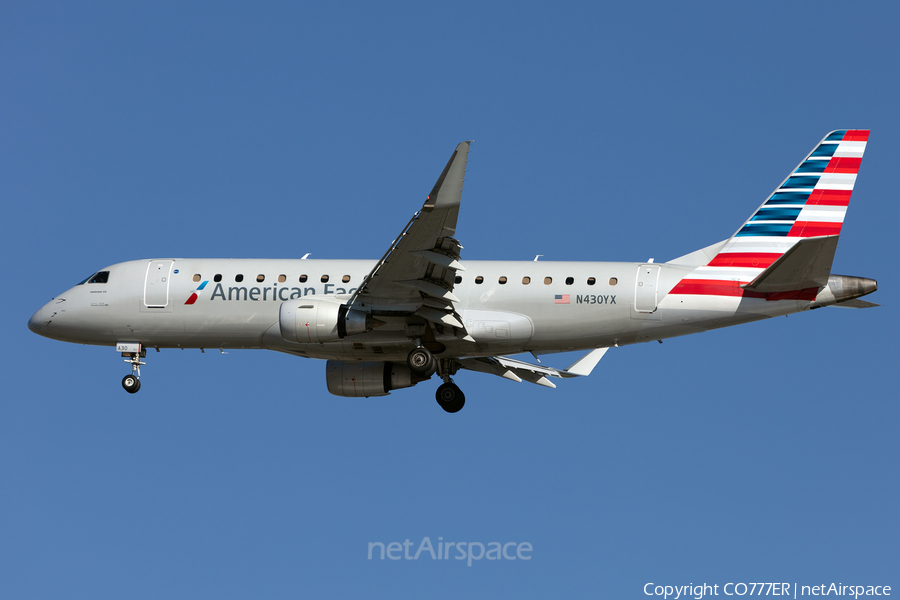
[813,199]
[810,203]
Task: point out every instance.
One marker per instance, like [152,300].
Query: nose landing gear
[132,383]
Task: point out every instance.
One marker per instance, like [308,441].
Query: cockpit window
[101,277]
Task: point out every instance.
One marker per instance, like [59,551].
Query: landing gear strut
[132,383]
[450,397]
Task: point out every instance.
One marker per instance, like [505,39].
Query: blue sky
[766,452]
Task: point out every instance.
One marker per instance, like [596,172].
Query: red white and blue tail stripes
[811,202]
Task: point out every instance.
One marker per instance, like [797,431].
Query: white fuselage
[507,307]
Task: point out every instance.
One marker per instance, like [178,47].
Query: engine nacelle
[318,320]
[356,379]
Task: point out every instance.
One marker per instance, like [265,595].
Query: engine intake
[355,379]
[318,320]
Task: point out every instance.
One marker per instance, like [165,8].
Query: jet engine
[367,378]
[317,320]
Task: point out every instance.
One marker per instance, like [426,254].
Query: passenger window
[197,277]
[324,278]
[282,278]
[570,280]
[260,278]
[101,277]
[479,280]
[217,278]
[613,281]
[238,278]
[345,279]
[548,280]
[303,278]
[591,281]
[503,281]
[526,280]
[458,279]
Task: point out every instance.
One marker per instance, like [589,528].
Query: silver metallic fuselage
[503,318]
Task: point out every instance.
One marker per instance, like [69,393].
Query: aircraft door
[645,288]
[156,285]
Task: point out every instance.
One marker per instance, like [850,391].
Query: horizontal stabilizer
[856,303]
[806,265]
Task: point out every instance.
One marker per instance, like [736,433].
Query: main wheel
[131,384]
[421,362]
[450,397]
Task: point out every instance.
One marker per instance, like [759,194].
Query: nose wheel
[450,397]
[132,383]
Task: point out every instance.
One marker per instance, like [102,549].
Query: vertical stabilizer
[810,203]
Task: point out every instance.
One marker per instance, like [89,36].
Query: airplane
[422,310]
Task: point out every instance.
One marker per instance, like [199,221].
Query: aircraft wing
[516,370]
[417,273]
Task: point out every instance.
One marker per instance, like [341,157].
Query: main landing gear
[423,364]
[450,397]
[132,383]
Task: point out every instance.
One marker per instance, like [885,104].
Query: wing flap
[437,258]
[517,370]
[427,287]
[439,316]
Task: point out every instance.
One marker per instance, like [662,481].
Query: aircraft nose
[39,320]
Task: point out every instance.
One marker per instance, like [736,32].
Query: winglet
[584,365]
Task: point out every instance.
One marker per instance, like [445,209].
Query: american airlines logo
[271,293]
[196,293]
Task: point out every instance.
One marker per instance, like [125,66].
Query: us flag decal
[561,299]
